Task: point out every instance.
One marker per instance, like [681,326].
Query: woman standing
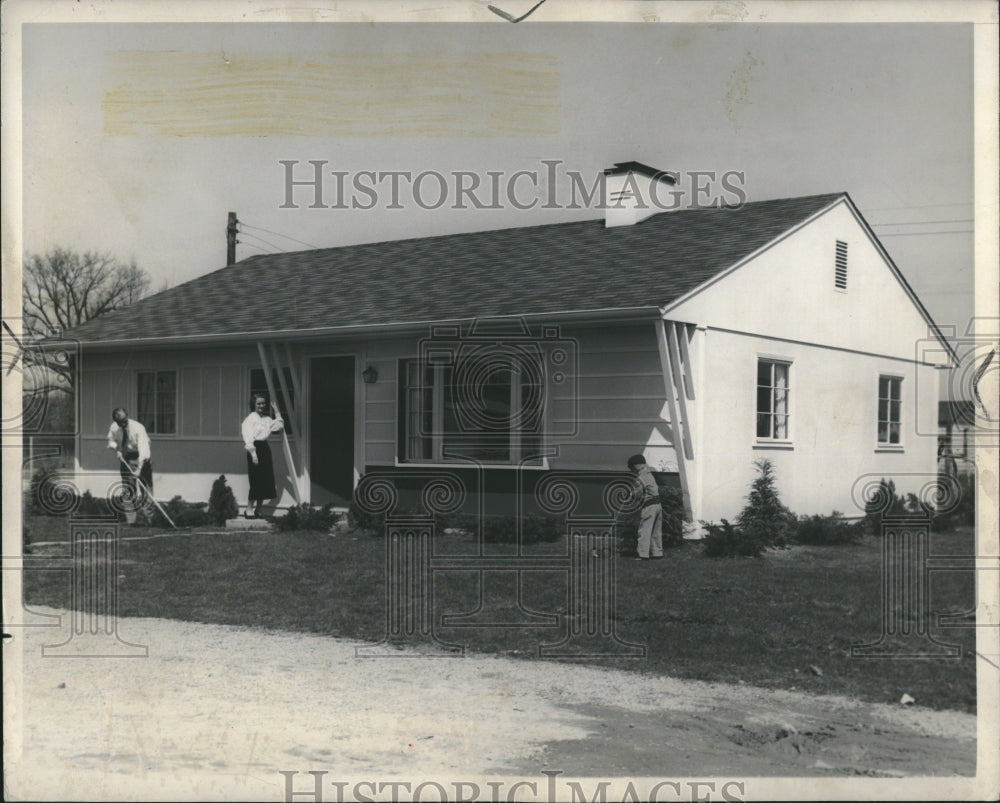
[264,420]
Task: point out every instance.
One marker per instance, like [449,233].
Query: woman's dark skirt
[262,474]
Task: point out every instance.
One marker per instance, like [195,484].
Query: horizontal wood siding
[613,407]
[380,398]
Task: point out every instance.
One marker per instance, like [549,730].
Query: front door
[331,438]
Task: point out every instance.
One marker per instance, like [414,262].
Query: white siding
[788,292]
[833,426]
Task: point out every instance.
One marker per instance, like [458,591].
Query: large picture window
[492,415]
[889,413]
[156,402]
[773,397]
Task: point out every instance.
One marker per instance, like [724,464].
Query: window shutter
[840,270]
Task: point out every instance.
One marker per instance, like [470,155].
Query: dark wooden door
[331,429]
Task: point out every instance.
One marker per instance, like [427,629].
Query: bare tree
[62,288]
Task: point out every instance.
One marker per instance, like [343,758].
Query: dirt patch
[216,712]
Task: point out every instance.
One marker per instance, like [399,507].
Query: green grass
[763,622]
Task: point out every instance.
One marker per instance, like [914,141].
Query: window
[259,385]
[772,399]
[889,388]
[156,407]
[492,414]
[840,266]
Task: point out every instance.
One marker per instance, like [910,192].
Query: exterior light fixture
[370,375]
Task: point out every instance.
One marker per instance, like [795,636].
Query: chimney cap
[639,167]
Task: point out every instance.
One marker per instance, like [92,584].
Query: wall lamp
[370,375]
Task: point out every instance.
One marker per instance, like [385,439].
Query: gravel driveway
[215,713]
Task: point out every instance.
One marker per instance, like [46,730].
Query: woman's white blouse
[257,427]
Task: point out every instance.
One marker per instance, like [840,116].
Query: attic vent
[840,271]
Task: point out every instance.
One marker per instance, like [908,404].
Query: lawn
[786,620]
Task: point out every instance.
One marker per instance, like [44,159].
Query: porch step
[248,524]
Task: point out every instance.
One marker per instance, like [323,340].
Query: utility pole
[231,240]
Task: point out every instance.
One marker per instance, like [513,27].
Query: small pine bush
[832,530]
[183,514]
[221,502]
[727,541]
[765,519]
[306,517]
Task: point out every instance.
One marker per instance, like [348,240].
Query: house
[706,338]
[957,426]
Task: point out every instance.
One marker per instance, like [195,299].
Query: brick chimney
[632,193]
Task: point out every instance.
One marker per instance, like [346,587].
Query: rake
[148,493]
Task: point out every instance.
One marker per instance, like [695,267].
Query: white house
[705,338]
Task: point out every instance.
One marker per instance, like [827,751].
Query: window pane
[146,400]
[893,433]
[883,387]
[883,432]
[764,373]
[780,375]
[763,400]
[894,412]
[166,402]
[894,387]
[781,426]
[763,425]
[883,410]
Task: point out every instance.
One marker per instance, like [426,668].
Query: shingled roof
[558,268]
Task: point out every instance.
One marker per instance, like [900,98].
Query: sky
[140,138]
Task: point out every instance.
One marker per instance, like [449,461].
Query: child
[651,515]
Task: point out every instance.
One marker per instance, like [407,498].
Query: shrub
[90,506]
[728,541]
[964,513]
[307,517]
[764,518]
[674,519]
[221,502]
[360,519]
[832,530]
[183,514]
[875,508]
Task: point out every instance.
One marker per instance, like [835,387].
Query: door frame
[357,355]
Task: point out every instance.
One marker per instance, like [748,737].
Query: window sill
[786,445]
[890,449]
[469,464]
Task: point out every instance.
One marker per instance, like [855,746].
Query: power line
[925,206]
[277,248]
[926,222]
[279,234]
[923,233]
[251,245]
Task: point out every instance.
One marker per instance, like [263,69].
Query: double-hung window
[889,411]
[156,401]
[773,400]
[491,415]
